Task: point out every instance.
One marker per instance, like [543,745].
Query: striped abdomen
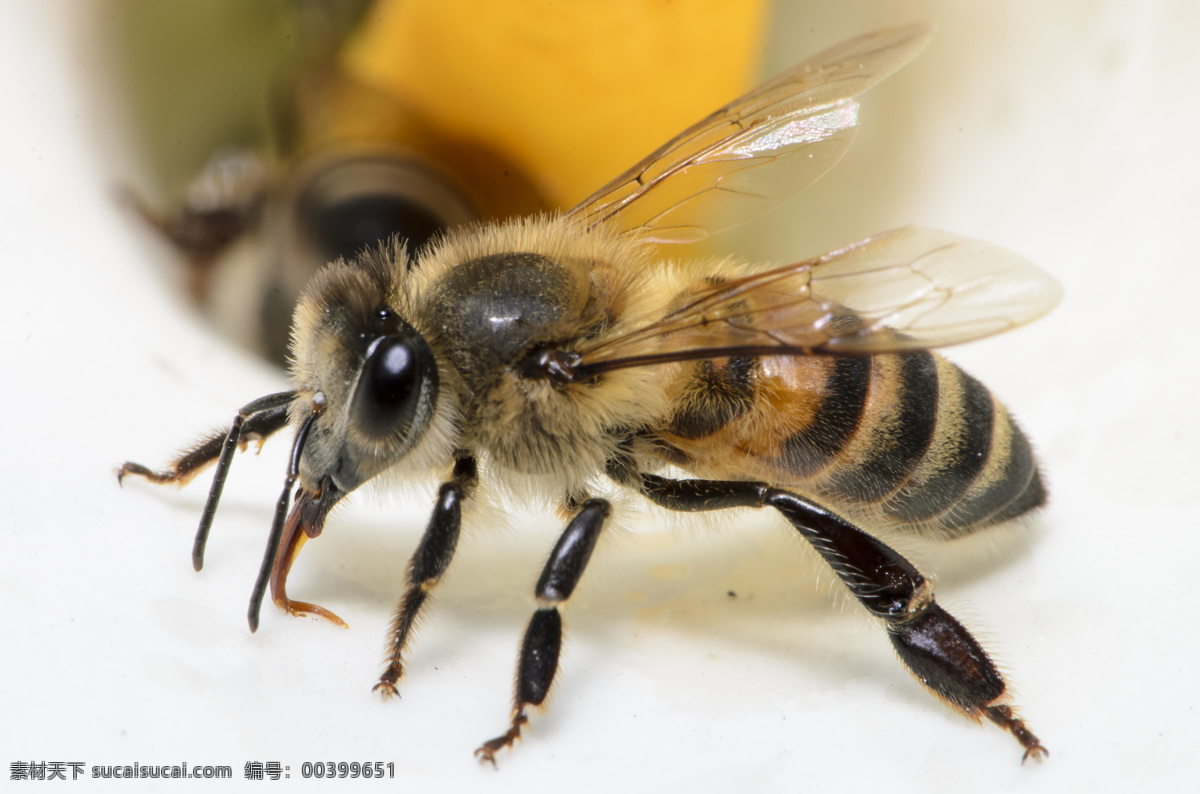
[908,438]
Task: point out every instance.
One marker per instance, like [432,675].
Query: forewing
[751,154]
[907,289]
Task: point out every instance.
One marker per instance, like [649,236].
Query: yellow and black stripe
[908,437]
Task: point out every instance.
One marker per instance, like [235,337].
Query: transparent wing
[907,289]
[751,154]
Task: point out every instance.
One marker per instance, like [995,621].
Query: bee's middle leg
[543,637]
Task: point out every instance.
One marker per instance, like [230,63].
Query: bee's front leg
[255,421]
[543,638]
[428,564]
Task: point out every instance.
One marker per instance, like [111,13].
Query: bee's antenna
[281,510]
[274,407]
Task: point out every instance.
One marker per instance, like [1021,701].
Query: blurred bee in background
[562,354]
[400,118]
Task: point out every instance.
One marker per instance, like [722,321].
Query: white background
[1066,131]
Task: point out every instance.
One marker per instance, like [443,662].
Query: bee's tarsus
[1004,717]
[486,752]
[386,687]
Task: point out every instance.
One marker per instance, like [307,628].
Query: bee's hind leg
[938,649]
[543,638]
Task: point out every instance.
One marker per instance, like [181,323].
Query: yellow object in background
[331,126]
[573,92]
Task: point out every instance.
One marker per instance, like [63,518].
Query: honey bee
[562,353]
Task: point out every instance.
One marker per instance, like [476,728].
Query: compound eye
[396,387]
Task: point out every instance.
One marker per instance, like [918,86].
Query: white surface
[1066,133]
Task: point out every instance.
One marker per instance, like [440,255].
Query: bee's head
[376,371]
